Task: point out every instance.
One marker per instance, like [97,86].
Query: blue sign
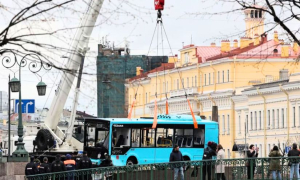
[28,106]
[287,149]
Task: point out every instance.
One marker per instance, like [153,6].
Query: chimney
[244,42]
[213,44]
[141,71]
[225,46]
[285,50]
[296,47]
[138,70]
[235,43]
[256,39]
[276,37]
[284,74]
[281,41]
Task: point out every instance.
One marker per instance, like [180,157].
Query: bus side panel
[143,156]
[193,153]
[211,133]
[162,155]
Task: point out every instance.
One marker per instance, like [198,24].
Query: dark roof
[164,66]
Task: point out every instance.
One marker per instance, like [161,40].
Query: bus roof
[161,119]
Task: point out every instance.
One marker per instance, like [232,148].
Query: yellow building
[210,75]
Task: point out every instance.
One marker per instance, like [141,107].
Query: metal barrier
[235,169]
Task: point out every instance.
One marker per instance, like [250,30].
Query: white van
[28,140]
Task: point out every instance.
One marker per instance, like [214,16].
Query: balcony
[181,92]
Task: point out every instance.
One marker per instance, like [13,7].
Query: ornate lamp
[15,85]
[41,88]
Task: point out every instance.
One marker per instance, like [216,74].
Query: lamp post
[20,154]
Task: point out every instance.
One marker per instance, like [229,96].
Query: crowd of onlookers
[70,163]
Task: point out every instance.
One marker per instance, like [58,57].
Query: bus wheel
[131,161]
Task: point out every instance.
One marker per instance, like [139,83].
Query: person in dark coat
[106,163]
[209,152]
[294,162]
[85,163]
[57,166]
[31,168]
[177,156]
[275,167]
[251,154]
[44,167]
[70,165]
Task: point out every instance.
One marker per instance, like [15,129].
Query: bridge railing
[235,169]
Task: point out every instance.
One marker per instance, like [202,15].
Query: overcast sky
[136,26]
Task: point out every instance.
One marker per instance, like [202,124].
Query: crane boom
[78,50]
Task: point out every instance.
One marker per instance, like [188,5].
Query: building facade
[113,67]
[214,75]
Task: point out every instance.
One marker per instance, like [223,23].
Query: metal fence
[235,169]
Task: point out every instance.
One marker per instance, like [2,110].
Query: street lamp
[20,154]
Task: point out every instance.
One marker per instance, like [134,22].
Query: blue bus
[133,141]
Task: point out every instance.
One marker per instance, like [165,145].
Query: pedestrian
[176,156]
[85,163]
[44,167]
[70,165]
[208,154]
[106,163]
[294,163]
[220,167]
[77,159]
[58,165]
[31,168]
[37,163]
[251,164]
[275,167]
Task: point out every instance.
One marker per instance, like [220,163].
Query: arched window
[260,13]
[252,14]
[256,14]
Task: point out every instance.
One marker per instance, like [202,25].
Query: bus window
[135,137]
[184,137]
[121,137]
[148,137]
[164,137]
[198,137]
[91,136]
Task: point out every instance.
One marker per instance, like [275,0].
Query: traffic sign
[28,106]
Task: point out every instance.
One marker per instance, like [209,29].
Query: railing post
[251,168]
[263,169]
[151,172]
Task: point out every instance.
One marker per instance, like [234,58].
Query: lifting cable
[133,102]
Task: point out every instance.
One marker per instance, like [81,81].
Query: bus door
[164,144]
[146,152]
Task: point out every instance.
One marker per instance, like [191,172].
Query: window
[227,75]
[120,137]
[184,137]
[167,87]
[269,119]
[223,76]
[164,137]
[228,124]
[177,84]
[192,81]
[186,58]
[260,120]
[294,117]
[228,151]
[255,120]
[239,124]
[195,81]
[147,139]
[299,116]
[218,76]
[164,87]
[182,81]
[273,118]
[199,137]
[135,137]
[282,117]
[187,82]
[251,121]
[209,78]
[146,98]
[205,79]
[223,124]
[209,117]
[247,129]
[277,118]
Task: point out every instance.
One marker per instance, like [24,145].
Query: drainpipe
[144,103]
[212,100]
[288,112]
[233,122]
[172,83]
[215,84]
[265,122]
[200,77]
[234,80]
